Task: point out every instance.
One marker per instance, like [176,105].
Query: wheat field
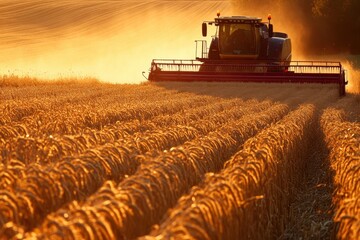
[93,160]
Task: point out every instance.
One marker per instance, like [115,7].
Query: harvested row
[70,119]
[7,132]
[55,149]
[51,149]
[17,104]
[343,141]
[129,210]
[26,149]
[55,98]
[15,111]
[74,178]
[249,198]
[188,116]
[45,189]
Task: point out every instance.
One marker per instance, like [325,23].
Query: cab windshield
[237,39]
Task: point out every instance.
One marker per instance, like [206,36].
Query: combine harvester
[245,49]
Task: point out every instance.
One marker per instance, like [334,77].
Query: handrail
[297,63]
[296,66]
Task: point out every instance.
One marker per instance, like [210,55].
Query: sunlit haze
[115,41]
[111,40]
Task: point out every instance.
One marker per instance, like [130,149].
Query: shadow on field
[311,212]
[292,94]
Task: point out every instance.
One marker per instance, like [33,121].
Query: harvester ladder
[201,50]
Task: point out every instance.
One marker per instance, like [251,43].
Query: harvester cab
[244,38]
[245,49]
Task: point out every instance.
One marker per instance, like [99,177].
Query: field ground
[202,160]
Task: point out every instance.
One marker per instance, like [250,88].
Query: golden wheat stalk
[249,198]
[140,200]
[343,141]
[75,176]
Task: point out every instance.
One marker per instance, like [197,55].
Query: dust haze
[320,30]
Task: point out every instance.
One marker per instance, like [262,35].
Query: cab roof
[238,19]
